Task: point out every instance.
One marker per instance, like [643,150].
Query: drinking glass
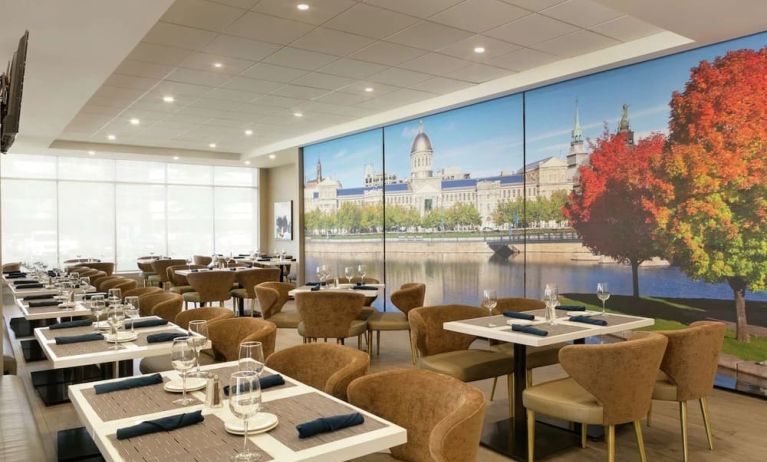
[97,305]
[349,273]
[131,310]
[199,327]
[489,302]
[67,289]
[85,283]
[551,298]
[115,295]
[251,357]
[189,263]
[245,402]
[362,270]
[74,276]
[182,360]
[603,293]
[116,319]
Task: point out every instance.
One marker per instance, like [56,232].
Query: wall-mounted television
[11,86]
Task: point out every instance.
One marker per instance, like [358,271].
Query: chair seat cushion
[154,277]
[366,312]
[357,328]
[181,289]
[388,321]
[162,363]
[19,436]
[469,365]
[566,400]
[376,457]
[665,389]
[536,356]
[239,293]
[191,297]
[9,365]
[286,319]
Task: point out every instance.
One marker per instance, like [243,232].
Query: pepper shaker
[213,391]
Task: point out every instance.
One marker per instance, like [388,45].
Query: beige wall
[279,184]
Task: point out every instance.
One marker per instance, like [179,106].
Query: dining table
[509,436]
[208,440]
[368,290]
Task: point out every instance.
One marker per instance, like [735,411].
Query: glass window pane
[81,168]
[140,223]
[190,223]
[29,221]
[236,220]
[233,176]
[23,166]
[86,220]
[189,174]
[140,171]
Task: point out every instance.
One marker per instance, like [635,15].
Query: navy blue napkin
[329,424]
[164,424]
[12,272]
[93,294]
[263,259]
[194,270]
[51,274]
[68,324]
[127,384]
[146,323]
[267,381]
[19,282]
[315,288]
[15,275]
[164,337]
[36,297]
[316,284]
[42,303]
[30,286]
[78,338]
[365,288]
[518,315]
[529,330]
[571,307]
[588,320]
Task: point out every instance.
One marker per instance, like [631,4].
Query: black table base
[31,350]
[502,437]
[52,385]
[76,444]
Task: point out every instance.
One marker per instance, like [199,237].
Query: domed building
[421,155]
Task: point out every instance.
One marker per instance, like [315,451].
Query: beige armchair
[226,335]
[145,266]
[106,283]
[97,278]
[179,284]
[124,284]
[443,416]
[272,297]
[609,385]
[160,276]
[107,267]
[202,260]
[326,367]
[409,296]
[448,352]
[164,304]
[248,280]
[141,291]
[331,314]
[210,286]
[12,266]
[207,314]
[688,371]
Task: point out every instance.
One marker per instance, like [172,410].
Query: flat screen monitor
[12,87]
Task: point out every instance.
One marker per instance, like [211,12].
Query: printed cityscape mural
[649,177]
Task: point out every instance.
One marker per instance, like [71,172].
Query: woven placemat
[206,441]
[80,348]
[556,329]
[141,340]
[51,334]
[225,372]
[134,402]
[498,320]
[309,406]
[613,320]
[50,309]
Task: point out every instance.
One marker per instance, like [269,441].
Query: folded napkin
[30,286]
[146,323]
[571,307]
[243,255]
[264,259]
[164,337]
[51,273]
[518,315]
[315,288]
[316,284]
[15,275]
[25,281]
[529,330]
[194,270]
[127,384]
[12,272]
[232,269]
[78,338]
[588,320]
[329,424]
[68,324]
[42,303]
[93,294]
[268,381]
[164,424]
[365,288]
[36,297]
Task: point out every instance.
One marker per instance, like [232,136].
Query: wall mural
[649,178]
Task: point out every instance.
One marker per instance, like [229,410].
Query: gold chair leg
[492,390]
[640,440]
[510,386]
[413,349]
[378,343]
[530,436]
[529,378]
[683,418]
[584,435]
[707,422]
[649,415]
[611,443]
[359,342]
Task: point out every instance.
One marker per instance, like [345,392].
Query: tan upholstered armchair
[443,416]
[210,286]
[208,314]
[609,385]
[409,296]
[106,283]
[97,278]
[688,371]
[12,266]
[326,367]
[248,280]
[160,276]
[331,314]
[448,352]
[227,334]
[116,282]
[107,267]
[272,297]
[202,260]
[164,304]
[179,284]
[141,291]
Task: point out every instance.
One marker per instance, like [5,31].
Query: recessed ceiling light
[302,6]
[298,114]
[111,137]
[272,156]
[247,162]
[168,99]
[248,132]
[479,50]
[135,121]
[175,157]
[369,89]
[91,153]
[218,65]
[212,145]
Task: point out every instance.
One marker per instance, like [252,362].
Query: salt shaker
[213,391]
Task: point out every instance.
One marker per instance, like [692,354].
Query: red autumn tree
[607,206]
[711,186]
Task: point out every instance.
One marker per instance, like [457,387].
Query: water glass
[251,357]
[200,328]
[131,310]
[603,294]
[85,283]
[182,360]
[98,306]
[489,302]
[551,298]
[362,270]
[349,273]
[116,319]
[245,402]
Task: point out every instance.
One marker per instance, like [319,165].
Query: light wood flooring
[740,422]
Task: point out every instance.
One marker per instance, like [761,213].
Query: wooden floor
[740,422]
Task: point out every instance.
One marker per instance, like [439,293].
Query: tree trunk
[635,277]
[738,286]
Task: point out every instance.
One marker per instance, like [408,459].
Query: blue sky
[485,138]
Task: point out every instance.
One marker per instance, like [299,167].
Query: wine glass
[85,283]
[603,294]
[115,318]
[245,402]
[131,310]
[199,327]
[189,263]
[362,270]
[74,276]
[349,273]
[489,302]
[97,305]
[551,298]
[67,290]
[115,295]
[182,360]
[251,357]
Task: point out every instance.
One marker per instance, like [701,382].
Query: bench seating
[19,438]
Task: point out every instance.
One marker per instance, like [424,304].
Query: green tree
[463,214]
[435,219]
[372,218]
[313,221]
[509,213]
[349,217]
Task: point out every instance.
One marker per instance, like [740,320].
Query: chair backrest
[177,279]
[621,376]
[357,279]
[692,358]
[212,285]
[166,305]
[159,267]
[328,314]
[431,338]
[144,263]
[13,266]
[324,366]
[227,334]
[97,277]
[207,314]
[442,415]
[87,272]
[202,260]
[105,266]
[409,296]
[106,283]
[517,304]
[272,296]
[141,291]
[249,279]
[124,285]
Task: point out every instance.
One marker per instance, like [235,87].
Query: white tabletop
[21,293]
[51,312]
[502,330]
[345,449]
[340,288]
[187,272]
[130,350]
[272,262]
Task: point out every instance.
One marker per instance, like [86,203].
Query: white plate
[122,336]
[192,384]
[583,313]
[262,422]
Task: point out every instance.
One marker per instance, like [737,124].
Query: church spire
[577,133]
[318,168]
[623,126]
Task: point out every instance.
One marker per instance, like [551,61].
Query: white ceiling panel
[209,62]
[626,28]
[165,33]
[299,92]
[531,29]
[238,47]
[429,36]
[399,77]
[478,73]
[269,29]
[534,5]
[319,10]
[419,8]
[479,15]
[300,59]
[158,54]
[143,69]
[274,73]
[352,68]
[252,85]
[434,63]
[390,54]
[202,14]
[583,13]
[332,42]
[371,21]
[441,85]
[465,48]
[195,77]
[128,81]
[576,43]
[320,80]
[522,59]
